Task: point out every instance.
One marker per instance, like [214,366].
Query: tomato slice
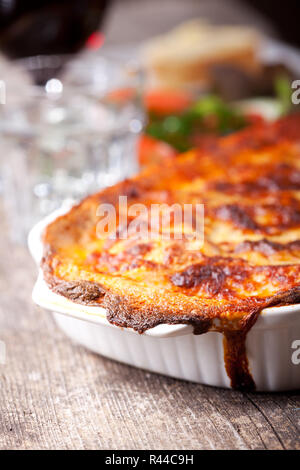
[167,101]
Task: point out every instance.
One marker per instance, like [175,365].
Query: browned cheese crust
[249,184]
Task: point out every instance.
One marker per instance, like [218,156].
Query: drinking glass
[69,138]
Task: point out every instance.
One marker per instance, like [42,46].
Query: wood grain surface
[56,395]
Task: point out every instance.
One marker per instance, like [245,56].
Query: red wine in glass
[31,28]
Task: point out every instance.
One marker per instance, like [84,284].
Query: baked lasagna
[248,258]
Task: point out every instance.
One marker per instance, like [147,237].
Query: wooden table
[56,395]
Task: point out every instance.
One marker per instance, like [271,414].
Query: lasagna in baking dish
[248,258]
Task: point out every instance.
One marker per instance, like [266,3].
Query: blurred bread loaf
[187,54]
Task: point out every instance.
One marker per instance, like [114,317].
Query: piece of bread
[186,55]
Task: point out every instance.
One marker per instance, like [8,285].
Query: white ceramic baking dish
[173,350]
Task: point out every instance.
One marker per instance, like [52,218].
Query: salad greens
[209,115]
[283,90]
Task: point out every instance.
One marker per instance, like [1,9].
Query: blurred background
[93,91]
[142,19]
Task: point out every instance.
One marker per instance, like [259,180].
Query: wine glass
[48,28]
